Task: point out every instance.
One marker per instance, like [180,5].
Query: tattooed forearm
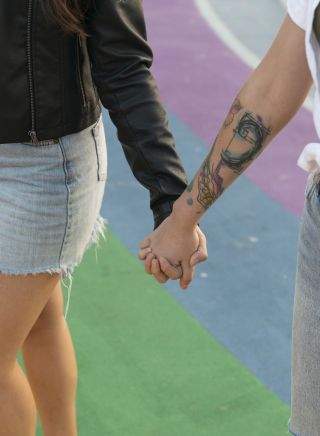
[235,108]
[246,143]
[248,138]
[209,182]
[206,193]
[189,189]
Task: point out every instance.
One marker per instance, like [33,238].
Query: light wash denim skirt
[305,386]
[50,200]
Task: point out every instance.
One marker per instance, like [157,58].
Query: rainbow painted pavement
[215,360]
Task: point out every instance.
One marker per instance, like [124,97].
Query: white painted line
[209,14]
[218,26]
[284,3]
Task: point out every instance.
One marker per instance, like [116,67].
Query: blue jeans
[305,409]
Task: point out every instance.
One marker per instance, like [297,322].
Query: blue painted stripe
[244,294]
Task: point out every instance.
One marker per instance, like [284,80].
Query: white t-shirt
[302,13]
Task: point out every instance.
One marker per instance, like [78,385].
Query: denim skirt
[50,199]
[305,402]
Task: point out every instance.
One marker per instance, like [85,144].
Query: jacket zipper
[79,47]
[32,133]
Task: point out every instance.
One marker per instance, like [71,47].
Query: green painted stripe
[147,368]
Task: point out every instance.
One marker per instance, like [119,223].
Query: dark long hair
[69,14]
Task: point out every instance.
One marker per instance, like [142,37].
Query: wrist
[162,211]
[183,216]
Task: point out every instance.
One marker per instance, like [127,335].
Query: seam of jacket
[135,137]
[35,50]
[62,85]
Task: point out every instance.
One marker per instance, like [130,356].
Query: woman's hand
[172,251]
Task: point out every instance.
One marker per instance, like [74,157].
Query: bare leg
[18,410]
[22,298]
[51,369]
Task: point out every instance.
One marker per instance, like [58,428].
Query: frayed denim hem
[66,271]
[99,229]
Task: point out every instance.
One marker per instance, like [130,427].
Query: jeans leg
[305,409]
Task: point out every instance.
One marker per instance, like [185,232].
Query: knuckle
[166,269]
[173,277]
[161,279]
[172,274]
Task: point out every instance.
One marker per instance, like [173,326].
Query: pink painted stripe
[198,78]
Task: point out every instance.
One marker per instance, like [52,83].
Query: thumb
[201,254]
[145,243]
[187,275]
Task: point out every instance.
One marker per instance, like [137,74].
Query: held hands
[172,251]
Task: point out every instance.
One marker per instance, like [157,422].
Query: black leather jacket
[53,84]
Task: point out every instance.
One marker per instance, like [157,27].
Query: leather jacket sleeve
[120,61]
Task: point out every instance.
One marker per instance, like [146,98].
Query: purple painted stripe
[198,78]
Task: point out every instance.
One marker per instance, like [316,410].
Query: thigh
[22,299]
[85,155]
[51,315]
[305,417]
[33,203]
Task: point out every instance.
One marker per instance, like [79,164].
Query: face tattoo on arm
[247,140]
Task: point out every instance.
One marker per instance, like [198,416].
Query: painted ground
[215,360]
